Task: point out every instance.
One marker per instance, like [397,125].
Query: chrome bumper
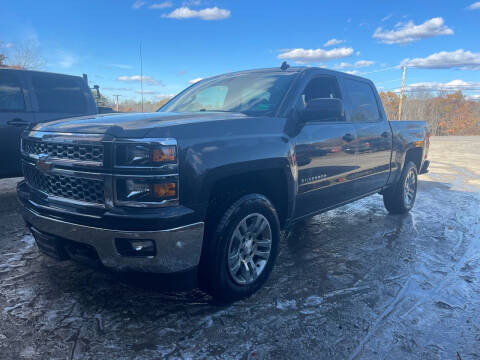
[178,249]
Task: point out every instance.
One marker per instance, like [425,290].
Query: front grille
[79,152]
[73,188]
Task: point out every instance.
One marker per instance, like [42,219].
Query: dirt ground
[352,283]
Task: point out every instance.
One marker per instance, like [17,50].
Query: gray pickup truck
[207,183]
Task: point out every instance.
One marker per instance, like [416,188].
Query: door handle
[385,134]
[17,122]
[348,137]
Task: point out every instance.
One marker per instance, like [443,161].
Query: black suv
[30,97]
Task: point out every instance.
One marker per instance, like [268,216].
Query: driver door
[325,157]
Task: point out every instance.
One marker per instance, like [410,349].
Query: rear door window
[11,93]
[59,94]
[362,100]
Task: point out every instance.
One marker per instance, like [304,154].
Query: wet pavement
[352,283]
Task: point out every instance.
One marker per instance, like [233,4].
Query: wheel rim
[409,188]
[249,248]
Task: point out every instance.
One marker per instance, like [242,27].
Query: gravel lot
[351,283]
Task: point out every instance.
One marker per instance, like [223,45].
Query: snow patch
[286,304]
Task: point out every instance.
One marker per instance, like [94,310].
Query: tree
[26,55]
[390,102]
[445,113]
[3,56]
[457,115]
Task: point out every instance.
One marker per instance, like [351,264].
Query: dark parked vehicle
[208,181]
[30,97]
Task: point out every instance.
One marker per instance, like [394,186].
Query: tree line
[445,113]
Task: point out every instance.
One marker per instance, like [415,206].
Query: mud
[354,283]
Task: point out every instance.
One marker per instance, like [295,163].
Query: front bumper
[178,249]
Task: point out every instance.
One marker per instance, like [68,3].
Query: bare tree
[26,55]
[3,57]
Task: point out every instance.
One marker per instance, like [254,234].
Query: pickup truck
[207,183]
[30,97]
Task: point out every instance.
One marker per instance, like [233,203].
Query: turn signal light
[165,190]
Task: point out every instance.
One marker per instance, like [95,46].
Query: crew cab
[30,97]
[207,183]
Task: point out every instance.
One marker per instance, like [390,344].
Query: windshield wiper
[203,110]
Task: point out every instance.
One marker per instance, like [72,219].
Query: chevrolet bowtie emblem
[42,164]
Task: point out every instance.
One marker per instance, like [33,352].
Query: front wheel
[241,252]
[400,198]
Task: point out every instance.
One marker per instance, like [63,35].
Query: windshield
[251,94]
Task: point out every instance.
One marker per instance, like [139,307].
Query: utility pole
[141,73]
[116,100]
[404,68]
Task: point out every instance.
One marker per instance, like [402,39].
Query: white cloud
[342,65]
[184,12]
[136,78]
[333,42]
[386,17]
[459,59]
[352,72]
[162,5]
[191,3]
[66,59]
[304,56]
[194,81]
[146,92]
[116,88]
[138,4]
[409,32]
[7,45]
[364,63]
[121,66]
[453,85]
[358,64]
[474,6]
[475,97]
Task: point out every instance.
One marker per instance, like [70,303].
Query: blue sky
[186,40]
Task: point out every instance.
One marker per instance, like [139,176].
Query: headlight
[138,191]
[145,155]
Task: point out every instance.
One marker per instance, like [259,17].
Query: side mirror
[323,110]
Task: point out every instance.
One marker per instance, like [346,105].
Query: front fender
[206,164]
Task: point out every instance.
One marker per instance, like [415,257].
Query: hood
[133,125]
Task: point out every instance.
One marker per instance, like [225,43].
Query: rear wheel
[241,251]
[400,198]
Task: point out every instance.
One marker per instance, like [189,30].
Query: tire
[400,198]
[232,243]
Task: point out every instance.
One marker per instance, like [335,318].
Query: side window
[59,94]
[363,101]
[11,94]
[321,88]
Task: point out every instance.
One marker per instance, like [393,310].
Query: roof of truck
[293,69]
[10,68]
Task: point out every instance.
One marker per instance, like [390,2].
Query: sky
[183,41]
